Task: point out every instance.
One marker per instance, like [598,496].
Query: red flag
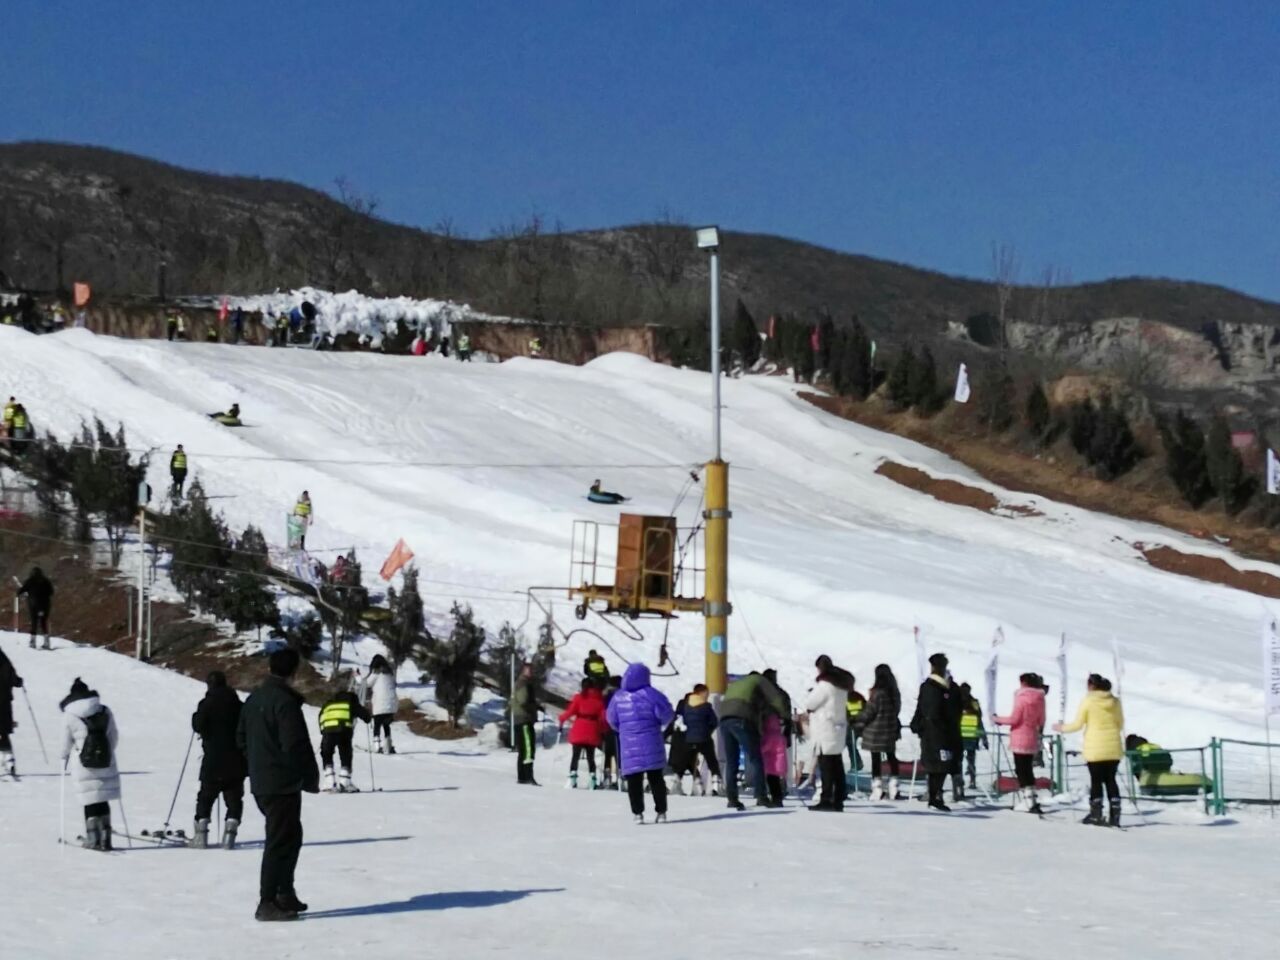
[773,326]
[82,293]
[813,340]
[222,311]
[399,556]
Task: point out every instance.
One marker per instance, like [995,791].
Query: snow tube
[604,497]
[226,419]
[1167,783]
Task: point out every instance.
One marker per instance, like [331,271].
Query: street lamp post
[716,515]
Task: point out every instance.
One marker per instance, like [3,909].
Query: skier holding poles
[223,768]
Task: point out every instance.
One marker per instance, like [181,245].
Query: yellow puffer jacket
[1102,719]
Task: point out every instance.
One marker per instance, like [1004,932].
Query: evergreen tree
[246,598]
[746,337]
[408,621]
[775,350]
[48,463]
[340,605]
[804,357]
[826,341]
[1185,458]
[1113,450]
[1226,470]
[836,372]
[995,395]
[1080,426]
[105,482]
[453,663]
[922,387]
[198,540]
[855,366]
[1038,413]
[901,378]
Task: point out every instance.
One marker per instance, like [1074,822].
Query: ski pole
[220,837]
[62,804]
[368,740]
[36,726]
[128,835]
[176,789]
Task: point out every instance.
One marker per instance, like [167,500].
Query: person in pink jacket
[1026,724]
[773,750]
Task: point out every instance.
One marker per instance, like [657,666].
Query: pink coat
[773,747]
[1026,721]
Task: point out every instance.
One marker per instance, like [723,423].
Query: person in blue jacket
[700,724]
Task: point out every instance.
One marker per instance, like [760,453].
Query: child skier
[89,747]
[972,735]
[383,702]
[338,719]
[586,710]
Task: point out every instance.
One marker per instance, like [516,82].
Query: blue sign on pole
[716,644]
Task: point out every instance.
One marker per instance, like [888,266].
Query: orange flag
[399,556]
[82,293]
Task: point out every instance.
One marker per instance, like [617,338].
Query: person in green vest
[178,470]
[19,430]
[338,719]
[464,348]
[972,734]
[854,707]
[596,670]
[302,510]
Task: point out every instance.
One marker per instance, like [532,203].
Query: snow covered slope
[483,468]
[453,859]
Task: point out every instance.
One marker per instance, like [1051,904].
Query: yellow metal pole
[717,608]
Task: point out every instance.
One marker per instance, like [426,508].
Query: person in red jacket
[586,710]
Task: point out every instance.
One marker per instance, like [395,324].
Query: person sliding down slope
[229,419]
[597,495]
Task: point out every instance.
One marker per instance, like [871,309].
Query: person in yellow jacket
[9,407]
[1102,719]
[178,471]
[338,719]
[302,510]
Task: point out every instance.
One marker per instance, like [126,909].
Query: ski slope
[482,468]
[453,859]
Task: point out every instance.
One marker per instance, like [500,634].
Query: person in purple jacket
[639,714]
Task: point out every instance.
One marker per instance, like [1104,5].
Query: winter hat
[216,679]
[79,691]
[283,662]
[939,662]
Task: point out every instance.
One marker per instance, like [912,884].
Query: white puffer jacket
[95,786]
[382,693]
[828,719]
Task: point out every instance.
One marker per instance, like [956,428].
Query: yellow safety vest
[302,509]
[597,667]
[8,412]
[179,461]
[336,716]
[19,420]
[854,707]
[970,725]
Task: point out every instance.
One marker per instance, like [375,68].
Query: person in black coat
[38,589]
[223,768]
[9,679]
[282,766]
[937,724]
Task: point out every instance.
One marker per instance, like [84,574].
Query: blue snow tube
[605,497]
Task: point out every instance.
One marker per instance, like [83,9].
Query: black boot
[1095,814]
[1114,821]
[289,901]
[269,910]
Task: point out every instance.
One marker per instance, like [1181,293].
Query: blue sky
[1105,139]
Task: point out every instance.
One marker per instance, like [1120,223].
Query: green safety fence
[1244,771]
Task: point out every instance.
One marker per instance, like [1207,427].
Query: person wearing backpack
[90,748]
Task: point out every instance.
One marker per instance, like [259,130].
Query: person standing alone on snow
[178,471]
[1025,723]
[9,681]
[338,719]
[937,724]
[222,769]
[383,701]
[1102,719]
[38,589]
[524,715]
[586,710]
[640,713]
[90,741]
[302,510]
[273,737]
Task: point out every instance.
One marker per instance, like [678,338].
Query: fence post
[1215,763]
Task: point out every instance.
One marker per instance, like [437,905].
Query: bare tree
[1046,301]
[1004,275]
[665,251]
[333,247]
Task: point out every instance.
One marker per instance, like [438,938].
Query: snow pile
[371,318]
[483,469]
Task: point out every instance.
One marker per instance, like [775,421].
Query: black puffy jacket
[216,721]
[273,737]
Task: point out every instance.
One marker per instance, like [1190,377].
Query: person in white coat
[89,749]
[383,702]
[828,729]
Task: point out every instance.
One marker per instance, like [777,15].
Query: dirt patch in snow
[1211,569]
[952,491]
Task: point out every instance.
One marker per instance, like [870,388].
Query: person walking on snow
[747,701]
[1025,723]
[700,724]
[223,767]
[302,510]
[282,766]
[972,735]
[89,746]
[38,589]
[524,715]
[338,719]
[587,711]
[383,701]
[178,471]
[937,723]
[828,726]
[9,681]
[1102,718]
[640,713]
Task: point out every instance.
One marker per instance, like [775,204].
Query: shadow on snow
[448,900]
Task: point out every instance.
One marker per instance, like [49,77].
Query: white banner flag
[993,668]
[1117,666]
[962,384]
[1270,667]
[1273,472]
[922,658]
[1062,679]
